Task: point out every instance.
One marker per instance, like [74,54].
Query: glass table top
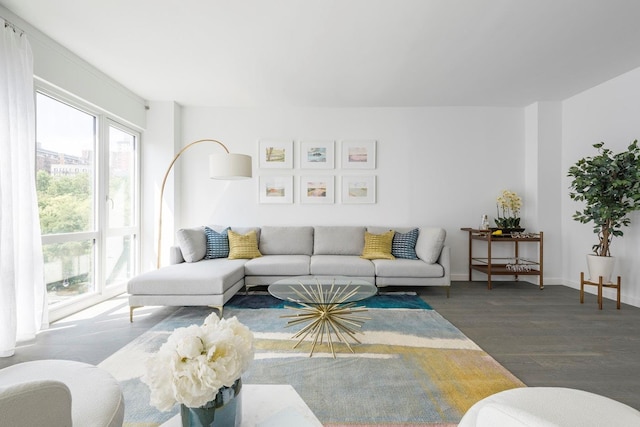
[322,289]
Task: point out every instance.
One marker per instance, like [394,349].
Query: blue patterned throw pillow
[404,244]
[217,243]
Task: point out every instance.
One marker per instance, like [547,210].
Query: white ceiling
[347,53]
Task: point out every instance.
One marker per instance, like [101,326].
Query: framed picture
[359,189]
[317,189]
[358,154]
[276,189]
[275,154]
[317,154]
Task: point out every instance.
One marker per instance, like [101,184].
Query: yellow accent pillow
[378,246]
[243,246]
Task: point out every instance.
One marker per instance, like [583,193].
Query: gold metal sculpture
[325,312]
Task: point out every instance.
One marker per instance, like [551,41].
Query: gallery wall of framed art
[310,171]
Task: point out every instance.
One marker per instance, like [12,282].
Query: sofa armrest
[445,261]
[36,403]
[175,255]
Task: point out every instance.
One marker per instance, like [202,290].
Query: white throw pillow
[193,243]
[430,243]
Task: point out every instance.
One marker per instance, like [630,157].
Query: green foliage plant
[609,185]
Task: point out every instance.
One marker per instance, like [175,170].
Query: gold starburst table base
[328,314]
[323,320]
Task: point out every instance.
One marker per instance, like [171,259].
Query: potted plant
[508,205]
[609,185]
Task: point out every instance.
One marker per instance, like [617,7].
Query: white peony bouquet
[197,361]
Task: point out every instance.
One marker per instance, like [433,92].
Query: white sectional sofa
[193,279]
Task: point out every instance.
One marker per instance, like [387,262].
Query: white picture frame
[275,189]
[317,189]
[358,154]
[358,189]
[317,154]
[275,154]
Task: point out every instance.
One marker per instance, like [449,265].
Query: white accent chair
[59,393]
[549,407]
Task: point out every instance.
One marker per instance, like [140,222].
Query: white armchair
[59,393]
[549,407]
[35,403]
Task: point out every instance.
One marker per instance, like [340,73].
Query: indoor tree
[609,185]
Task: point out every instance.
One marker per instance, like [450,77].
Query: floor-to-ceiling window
[87,183]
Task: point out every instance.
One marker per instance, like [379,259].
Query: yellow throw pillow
[243,246]
[378,246]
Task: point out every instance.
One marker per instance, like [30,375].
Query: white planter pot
[600,266]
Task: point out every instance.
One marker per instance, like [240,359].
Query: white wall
[609,112]
[160,143]
[436,166]
[543,139]
[61,68]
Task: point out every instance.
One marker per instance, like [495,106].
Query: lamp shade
[229,166]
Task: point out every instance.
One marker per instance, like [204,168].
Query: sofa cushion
[407,268]
[377,246]
[338,240]
[278,265]
[207,277]
[193,243]
[430,243]
[243,246]
[286,241]
[245,230]
[217,243]
[341,265]
[404,244]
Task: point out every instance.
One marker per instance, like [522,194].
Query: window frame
[101,231]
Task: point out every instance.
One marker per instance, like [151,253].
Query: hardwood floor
[547,338]
[544,337]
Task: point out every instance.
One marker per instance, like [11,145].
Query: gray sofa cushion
[206,277]
[276,265]
[406,268]
[338,240]
[341,265]
[193,243]
[286,240]
[430,243]
[239,230]
[245,230]
[379,230]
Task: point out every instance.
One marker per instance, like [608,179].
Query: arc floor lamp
[224,166]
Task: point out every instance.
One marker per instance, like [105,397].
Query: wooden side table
[512,266]
[600,285]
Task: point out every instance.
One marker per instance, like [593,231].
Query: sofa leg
[131,308]
[219,308]
[448,287]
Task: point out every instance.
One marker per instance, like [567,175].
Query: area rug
[413,367]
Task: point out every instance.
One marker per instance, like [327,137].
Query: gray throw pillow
[193,243]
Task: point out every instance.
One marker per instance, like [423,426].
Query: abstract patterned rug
[413,368]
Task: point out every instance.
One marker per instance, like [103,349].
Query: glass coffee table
[327,305]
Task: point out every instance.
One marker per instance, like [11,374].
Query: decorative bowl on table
[506,232]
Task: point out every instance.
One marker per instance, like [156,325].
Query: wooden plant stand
[600,285]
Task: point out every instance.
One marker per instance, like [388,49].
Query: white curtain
[22,292]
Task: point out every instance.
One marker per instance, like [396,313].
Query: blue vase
[225,410]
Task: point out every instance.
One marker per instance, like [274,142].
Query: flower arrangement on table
[508,206]
[196,362]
